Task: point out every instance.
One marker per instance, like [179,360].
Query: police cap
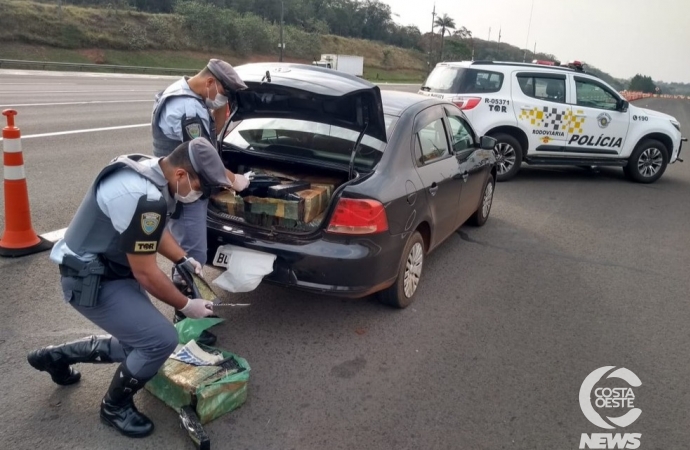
[226,75]
[208,166]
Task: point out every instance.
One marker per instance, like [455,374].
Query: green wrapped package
[210,390]
[229,201]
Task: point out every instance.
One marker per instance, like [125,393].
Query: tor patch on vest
[194,130]
[150,222]
[145,246]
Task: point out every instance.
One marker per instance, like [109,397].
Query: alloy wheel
[488,198]
[650,162]
[413,269]
[505,157]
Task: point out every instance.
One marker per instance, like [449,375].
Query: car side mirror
[623,105]
[487,142]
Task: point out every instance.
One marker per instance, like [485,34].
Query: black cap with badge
[226,75]
[208,166]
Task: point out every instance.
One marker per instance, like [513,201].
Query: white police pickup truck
[557,115]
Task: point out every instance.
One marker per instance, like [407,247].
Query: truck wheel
[401,293]
[508,152]
[648,161]
[480,216]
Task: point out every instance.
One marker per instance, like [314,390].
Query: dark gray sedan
[354,186]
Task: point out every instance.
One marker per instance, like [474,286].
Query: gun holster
[88,276]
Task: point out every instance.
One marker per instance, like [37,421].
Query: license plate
[222,257]
[224,252]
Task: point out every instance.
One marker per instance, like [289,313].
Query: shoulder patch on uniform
[193,130]
[145,246]
[150,222]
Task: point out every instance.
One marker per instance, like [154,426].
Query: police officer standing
[187,109]
[107,262]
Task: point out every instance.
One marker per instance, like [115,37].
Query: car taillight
[357,216]
[466,103]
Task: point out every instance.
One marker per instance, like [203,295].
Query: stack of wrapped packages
[277,199]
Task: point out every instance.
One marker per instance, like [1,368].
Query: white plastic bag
[244,268]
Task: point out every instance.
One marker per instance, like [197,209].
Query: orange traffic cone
[19,238]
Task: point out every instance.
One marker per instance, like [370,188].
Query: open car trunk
[299,112]
[282,196]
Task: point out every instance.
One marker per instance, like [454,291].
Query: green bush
[253,35]
[300,44]
[161,31]
[205,23]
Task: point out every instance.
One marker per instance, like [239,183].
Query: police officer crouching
[189,108]
[107,263]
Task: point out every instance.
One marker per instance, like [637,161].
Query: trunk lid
[303,92]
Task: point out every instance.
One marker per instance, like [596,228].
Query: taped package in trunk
[281,205]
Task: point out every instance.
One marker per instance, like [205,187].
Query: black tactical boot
[117,407]
[56,359]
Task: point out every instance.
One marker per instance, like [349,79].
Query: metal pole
[528,29]
[431,39]
[282,44]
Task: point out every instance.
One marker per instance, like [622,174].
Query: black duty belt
[108,275]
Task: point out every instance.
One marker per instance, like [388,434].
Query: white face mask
[189,198]
[219,102]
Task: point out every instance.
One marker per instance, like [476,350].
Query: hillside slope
[31,30]
[39,30]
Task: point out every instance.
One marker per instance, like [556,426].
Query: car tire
[411,265]
[648,161]
[508,153]
[481,215]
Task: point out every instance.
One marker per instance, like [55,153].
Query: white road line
[36,84]
[99,91]
[90,130]
[94,102]
[54,236]
[102,75]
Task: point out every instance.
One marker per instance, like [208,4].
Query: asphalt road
[572,272]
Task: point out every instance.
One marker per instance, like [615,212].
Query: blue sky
[621,37]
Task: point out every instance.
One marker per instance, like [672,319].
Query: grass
[167,59]
[35,31]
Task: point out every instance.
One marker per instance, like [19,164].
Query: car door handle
[434,188]
[527,108]
[581,115]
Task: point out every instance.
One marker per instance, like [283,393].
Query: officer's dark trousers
[142,336]
[190,229]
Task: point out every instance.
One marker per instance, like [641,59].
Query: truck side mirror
[623,105]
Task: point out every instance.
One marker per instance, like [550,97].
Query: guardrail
[632,96]
[19,63]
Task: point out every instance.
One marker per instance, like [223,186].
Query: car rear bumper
[334,265]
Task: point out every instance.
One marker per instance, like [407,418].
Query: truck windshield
[307,139]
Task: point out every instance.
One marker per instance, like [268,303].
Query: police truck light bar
[576,65]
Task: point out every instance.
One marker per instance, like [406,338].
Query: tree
[462,33]
[642,83]
[446,23]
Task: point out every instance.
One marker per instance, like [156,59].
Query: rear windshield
[460,80]
[303,138]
